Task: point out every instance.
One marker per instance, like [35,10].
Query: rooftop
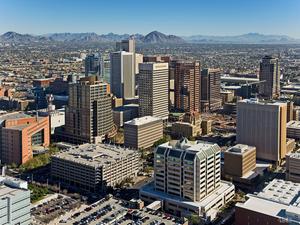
[262,102]
[278,199]
[95,155]
[239,149]
[293,124]
[143,120]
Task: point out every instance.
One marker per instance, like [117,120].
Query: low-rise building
[190,126]
[293,167]
[125,113]
[277,204]
[143,132]
[14,201]
[293,129]
[93,167]
[206,126]
[19,132]
[239,160]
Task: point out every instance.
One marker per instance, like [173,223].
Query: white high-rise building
[153,87]
[122,74]
[187,179]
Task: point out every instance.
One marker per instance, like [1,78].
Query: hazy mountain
[250,38]
[157,37]
[152,37]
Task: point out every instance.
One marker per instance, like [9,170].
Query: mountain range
[153,37]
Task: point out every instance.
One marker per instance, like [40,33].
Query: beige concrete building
[141,133]
[239,160]
[93,167]
[263,124]
[293,167]
[206,126]
[187,179]
[153,87]
[89,112]
[190,126]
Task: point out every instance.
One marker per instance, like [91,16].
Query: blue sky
[180,17]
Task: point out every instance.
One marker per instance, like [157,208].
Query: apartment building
[93,167]
[141,133]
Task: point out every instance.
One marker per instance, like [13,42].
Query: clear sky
[180,17]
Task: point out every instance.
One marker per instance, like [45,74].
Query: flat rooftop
[14,115]
[293,124]
[261,102]
[224,186]
[143,120]
[96,155]
[239,149]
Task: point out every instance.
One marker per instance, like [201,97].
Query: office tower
[276,204]
[187,179]
[187,85]
[211,99]
[263,124]
[14,201]
[293,166]
[138,59]
[92,65]
[269,73]
[94,167]
[141,133]
[20,134]
[153,90]
[89,112]
[126,45]
[239,160]
[122,75]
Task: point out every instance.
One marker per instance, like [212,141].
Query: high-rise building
[187,85]
[210,90]
[262,124]
[122,74]
[187,179]
[126,45]
[14,201]
[89,111]
[92,65]
[19,134]
[269,72]
[153,90]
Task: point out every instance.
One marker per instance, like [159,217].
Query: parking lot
[113,211]
[47,211]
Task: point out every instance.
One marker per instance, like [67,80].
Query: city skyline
[218,18]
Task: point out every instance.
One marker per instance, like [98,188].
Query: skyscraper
[187,85]
[92,65]
[89,112]
[126,45]
[263,125]
[210,90]
[153,90]
[269,72]
[122,74]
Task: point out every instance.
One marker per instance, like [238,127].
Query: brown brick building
[19,133]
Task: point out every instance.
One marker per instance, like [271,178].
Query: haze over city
[149,112]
